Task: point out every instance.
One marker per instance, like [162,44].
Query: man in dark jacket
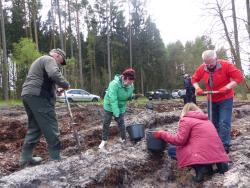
[39,98]
[190,90]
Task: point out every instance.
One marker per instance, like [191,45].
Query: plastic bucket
[136,131]
[154,144]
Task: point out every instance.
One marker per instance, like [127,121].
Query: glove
[199,91]
[158,134]
[223,90]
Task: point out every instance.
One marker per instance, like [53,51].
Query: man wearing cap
[38,95]
[119,91]
[221,76]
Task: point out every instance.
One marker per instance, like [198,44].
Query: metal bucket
[154,144]
[136,131]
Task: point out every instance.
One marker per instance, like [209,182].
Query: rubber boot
[27,160]
[26,156]
[210,170]
[54,154]
[222,167]
[199,171]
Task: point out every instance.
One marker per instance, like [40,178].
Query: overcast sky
[178,19]
[181,19]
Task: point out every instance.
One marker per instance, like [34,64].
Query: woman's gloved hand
[158,134]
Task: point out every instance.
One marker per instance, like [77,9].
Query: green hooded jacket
[117,95]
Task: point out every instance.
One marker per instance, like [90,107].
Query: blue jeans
[222,115]
[172,151]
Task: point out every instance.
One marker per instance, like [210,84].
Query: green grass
[141,101]
[10,103]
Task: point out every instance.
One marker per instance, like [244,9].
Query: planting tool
[72,125]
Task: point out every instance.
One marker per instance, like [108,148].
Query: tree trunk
[79,48]
[237,49]
[233,49]
[34,13]
[30,19]
[130,38]
[248,18]
[70,31]
[108,39]
[53,24]
[25,19]
[142,80]
[5,60]
[60,24]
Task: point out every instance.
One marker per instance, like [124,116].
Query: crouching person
[119,91]
[197,143]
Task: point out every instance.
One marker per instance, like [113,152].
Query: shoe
[34,161]
[102,145]
[122,141]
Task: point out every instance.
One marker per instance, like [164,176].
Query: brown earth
[88,119]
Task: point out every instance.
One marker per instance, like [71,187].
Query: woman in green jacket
[120,90]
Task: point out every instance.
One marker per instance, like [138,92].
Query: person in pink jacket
[197,143]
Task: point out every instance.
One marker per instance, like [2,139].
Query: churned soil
[88,124]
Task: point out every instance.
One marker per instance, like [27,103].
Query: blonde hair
[189,107]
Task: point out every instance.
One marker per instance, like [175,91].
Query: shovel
[72,125]
[210,93]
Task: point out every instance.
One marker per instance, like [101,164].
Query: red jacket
[223,73]
[197,141]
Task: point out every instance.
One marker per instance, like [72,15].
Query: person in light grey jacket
[39,97]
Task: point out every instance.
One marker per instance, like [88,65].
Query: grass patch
[11,103]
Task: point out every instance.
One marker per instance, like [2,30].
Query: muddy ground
[122,165]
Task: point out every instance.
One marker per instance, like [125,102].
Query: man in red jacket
[222,76]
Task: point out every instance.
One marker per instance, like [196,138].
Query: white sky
[178,19]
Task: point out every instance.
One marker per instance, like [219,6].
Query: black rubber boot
[222,167]
[210,170]
[199,171]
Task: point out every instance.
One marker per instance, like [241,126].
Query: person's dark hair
[129,73]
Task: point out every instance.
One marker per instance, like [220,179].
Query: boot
[199,171]
[54,154]
[32,162]
[26,155]
[222,167]
[210,170]
[102,145]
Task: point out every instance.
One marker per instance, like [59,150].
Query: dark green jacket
[43,75]
[117,95]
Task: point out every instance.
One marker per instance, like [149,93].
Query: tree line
[99,42]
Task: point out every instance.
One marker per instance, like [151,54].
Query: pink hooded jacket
[197,141]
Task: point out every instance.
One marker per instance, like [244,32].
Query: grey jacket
[43,75]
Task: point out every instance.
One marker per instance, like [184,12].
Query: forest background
[101,41]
